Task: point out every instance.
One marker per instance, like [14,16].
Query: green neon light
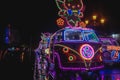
[71,58]
[58,2]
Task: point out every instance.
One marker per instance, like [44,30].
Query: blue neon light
[115,56]
[70,12]
[7,35]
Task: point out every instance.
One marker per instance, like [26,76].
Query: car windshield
[73,35]
[90,36]
[80,35]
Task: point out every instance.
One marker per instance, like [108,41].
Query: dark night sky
[31,18]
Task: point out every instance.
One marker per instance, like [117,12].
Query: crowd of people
[16,62]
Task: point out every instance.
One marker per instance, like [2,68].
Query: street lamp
[96,22]
[102,20]
[86,22]
[94,17]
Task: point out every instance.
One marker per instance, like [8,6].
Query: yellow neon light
[75,11]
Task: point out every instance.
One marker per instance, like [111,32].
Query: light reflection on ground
[110,74]
[104,74]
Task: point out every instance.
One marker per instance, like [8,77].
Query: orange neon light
[65,49]
[113,47]
[60,22]
[82,24]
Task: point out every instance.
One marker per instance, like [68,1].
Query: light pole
[95,21]
[102,20]
[86,22]
[94,17]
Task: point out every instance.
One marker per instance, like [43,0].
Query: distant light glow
[7,35]
[102,20]
[86,22]
[115,36]
[94,17]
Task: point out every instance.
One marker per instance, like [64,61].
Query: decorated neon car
[77,46]
[75,49]
[111,50]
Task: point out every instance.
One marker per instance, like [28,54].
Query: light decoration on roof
[71,11]
[82,24]
[60,22]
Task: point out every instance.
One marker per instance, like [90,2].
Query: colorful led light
[65,50]
[82,24]
[60,22]
[87,52]
[76,68]
[70,10]
[70,58]
[113,47]
[115,55]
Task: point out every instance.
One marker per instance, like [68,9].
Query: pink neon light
[78,68]
[102,76]
[87,52]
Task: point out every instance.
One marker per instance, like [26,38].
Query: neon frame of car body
[78,68]
[82,35]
